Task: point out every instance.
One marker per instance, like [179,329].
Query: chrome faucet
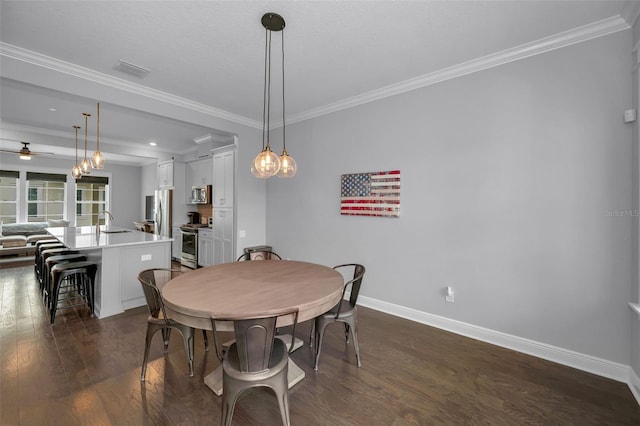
[106,212]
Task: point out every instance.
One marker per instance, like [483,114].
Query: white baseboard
[612,370]
[634,384]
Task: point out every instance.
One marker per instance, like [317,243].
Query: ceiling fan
[25,153]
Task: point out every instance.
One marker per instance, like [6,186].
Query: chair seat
[345,312]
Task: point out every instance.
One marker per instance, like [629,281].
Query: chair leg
[282,393]
[228,404]
[147,343]
[320,328]
[166,335]
[311,336]
[346,331]
[354,333]
[187,337]
[206,341]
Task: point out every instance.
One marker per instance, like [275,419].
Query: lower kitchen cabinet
[205,247]
[222,236]
[176,245]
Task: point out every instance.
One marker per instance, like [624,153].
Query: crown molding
[37,59]
[19,128]
[543,45]
[630,12]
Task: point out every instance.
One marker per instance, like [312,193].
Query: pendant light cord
[284,139]
[86,118]
[267,89]
[76,127]
[98,130]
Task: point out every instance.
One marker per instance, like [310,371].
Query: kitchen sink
[115,231]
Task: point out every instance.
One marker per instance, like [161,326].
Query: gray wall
[635,286]
[510,178]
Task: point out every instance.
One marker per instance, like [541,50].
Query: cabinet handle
[221,200]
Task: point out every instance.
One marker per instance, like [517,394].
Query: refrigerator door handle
[159,218]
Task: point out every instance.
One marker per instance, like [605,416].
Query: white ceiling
[210,55]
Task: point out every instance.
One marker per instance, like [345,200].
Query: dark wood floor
[84,371]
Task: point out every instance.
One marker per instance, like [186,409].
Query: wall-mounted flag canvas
[370,194]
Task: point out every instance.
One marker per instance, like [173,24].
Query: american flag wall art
[370,194]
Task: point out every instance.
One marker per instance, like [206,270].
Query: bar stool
[40,246]
[49,263]
[80,275]
[45,254]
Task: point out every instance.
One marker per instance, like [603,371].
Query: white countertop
[84,237]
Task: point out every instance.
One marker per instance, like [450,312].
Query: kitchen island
[120,254]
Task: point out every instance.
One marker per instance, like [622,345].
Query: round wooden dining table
[251,288]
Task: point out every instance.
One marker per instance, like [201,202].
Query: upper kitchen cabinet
[171,175]
[165,174]
[199,173]
[223,179]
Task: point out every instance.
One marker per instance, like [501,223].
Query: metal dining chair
[152,281]
[256,358]
[345,312]
[259,255]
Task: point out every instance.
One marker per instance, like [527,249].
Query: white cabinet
[205,247]
[176,246]
[223,179]
[199,173]
[165,174]
[222,236]
[171,175]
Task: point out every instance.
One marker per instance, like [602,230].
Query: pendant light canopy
[267,163]
[76,172]
[85,166]
[97,160]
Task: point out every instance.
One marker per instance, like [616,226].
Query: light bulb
[85,166]
[76,172]
[288,166]
[266,163]
[97,160]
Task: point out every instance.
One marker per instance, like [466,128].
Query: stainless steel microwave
[201,194]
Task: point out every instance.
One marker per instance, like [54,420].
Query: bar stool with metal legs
[47,254]
[40,247]
[76,280]
[49,264]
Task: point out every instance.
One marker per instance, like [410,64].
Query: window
[8,195]
[91,200]
[45,196]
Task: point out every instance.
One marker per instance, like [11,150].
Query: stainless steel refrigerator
[163,211]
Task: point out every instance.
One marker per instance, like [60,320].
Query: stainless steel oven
[189,255]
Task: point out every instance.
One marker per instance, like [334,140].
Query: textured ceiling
[211,52]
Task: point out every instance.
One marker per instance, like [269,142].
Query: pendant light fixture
[267,163]
[97,160]
[85,166]
[76,172]
[288,167]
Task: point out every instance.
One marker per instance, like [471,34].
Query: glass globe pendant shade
[97,160]
[76,172]
[267,163]
[288,167]
[255,172]
[85,166]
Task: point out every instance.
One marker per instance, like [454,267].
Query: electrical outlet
[449,296]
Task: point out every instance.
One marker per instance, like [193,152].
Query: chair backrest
[152,281]
[259,255]
[353,284]
[254,338]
